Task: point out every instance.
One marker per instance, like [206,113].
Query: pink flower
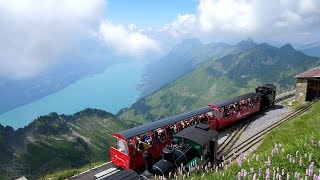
[254,176]
[300,161]
[239,175]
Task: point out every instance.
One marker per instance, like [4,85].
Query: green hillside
[59,141]
[226,77]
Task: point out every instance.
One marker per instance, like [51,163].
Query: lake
[111,91]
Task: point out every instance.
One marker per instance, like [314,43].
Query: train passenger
[226,111]
[155,137]
[237,107]
[232,108]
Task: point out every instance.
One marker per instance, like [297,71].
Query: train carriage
[127,147]
[235,109]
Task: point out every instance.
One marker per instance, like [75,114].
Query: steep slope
[183,58]
[226,77]
[58,140]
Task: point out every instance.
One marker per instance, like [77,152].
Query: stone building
[308,85]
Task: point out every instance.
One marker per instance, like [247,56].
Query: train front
[119,151]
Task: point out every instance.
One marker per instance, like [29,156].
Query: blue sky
[44,32]
[148,13]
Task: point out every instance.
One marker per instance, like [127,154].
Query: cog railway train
[186,137]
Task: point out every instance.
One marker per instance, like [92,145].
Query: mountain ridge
[236,72]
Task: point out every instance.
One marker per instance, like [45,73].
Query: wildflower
[297,153]
[282,172]
[288,176]
[239,175]
[267,172]
[257,158]
[280,145]
[282,150]
[319,143]
[290,159]
[312,142]
[269,161]
[259,172]
[311,169]
[300,161]
[251,170]
[310,157]
[254,176]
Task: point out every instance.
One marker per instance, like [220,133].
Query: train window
[210,114]
[120,145]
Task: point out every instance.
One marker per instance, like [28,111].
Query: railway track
[230,141]
[227,145]
[256,138]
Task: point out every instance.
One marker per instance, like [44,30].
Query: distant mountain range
[312,49]
[54,140]
[243,67]
[184,58]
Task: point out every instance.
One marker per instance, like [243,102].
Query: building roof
[129,133]
[312,73]
[200,134]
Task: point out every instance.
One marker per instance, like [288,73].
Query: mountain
[228,76]
[58,140]
[312,49]
[183,58]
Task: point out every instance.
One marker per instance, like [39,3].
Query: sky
[36,35]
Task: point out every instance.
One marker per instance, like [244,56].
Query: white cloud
[130,41]
[183,25]
[228,20]
[34,34]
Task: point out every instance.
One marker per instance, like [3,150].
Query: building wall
[301,89]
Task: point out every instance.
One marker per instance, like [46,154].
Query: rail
[256,138]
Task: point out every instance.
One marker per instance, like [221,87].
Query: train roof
[129,133]
[271,86]
[235,99]
[200,134]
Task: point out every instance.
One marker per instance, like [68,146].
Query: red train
[127,147]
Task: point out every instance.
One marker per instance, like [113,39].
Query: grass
[295,140]
[292,103]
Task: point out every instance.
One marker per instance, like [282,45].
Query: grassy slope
[293,136]
[56,142]
[220,79]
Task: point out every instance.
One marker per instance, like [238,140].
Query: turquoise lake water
[111,90]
